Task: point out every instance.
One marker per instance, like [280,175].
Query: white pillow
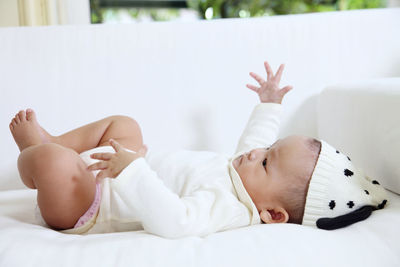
[362,120]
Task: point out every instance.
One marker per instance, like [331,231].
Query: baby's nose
[251,155]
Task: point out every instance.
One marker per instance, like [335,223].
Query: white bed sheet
[373,242]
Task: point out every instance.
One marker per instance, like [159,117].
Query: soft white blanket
[373,242]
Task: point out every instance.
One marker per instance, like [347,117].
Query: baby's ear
[275,215]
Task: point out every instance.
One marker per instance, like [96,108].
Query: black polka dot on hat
[366,192]
[332,204]
[337,151]
[348,158]
[350,204]
[375,182]
[348,173]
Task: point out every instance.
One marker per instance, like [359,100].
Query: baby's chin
[235,163]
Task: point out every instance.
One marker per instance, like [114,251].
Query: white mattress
[23,242]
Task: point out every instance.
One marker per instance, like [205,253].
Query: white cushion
[361,119]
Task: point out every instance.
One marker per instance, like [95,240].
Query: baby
[174,194]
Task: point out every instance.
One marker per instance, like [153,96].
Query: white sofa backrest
[185,82]
[361,120]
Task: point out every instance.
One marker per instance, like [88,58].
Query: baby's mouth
[237,161]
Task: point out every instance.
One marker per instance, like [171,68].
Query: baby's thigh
[124,130]
[65,187]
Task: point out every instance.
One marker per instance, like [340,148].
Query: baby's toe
[30,114]
[11,126]
[21,115]
[16,119]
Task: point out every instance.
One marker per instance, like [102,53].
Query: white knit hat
[339,194]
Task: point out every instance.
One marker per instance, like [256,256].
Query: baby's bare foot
[27,131]
[46,137]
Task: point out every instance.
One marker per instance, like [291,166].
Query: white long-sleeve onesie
[176,194]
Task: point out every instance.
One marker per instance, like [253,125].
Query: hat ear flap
[345,220]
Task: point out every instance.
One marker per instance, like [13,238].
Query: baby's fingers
[102,175]
[279,72]
[102,156]
[101,165]
[252,87]
[286,89]
[257,78]
[117,147]
[270,73]
[142,151]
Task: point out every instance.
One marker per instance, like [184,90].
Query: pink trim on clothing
[92,210]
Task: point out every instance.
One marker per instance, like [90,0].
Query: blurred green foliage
[211,9]
[257,8]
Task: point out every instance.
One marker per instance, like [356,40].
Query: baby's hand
[112,164]
[269,91]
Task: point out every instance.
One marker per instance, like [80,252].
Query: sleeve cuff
[268,106]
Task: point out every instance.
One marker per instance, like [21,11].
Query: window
[127,11]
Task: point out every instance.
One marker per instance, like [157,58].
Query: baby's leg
[52,165]
[65,187]
[123,129]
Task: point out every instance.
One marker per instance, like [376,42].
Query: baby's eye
[264,163]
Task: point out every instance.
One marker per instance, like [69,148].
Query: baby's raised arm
[269,91]
[263,126]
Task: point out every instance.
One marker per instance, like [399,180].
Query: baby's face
[265,172]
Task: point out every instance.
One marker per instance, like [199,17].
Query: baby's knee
[45,158]
[126,120]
